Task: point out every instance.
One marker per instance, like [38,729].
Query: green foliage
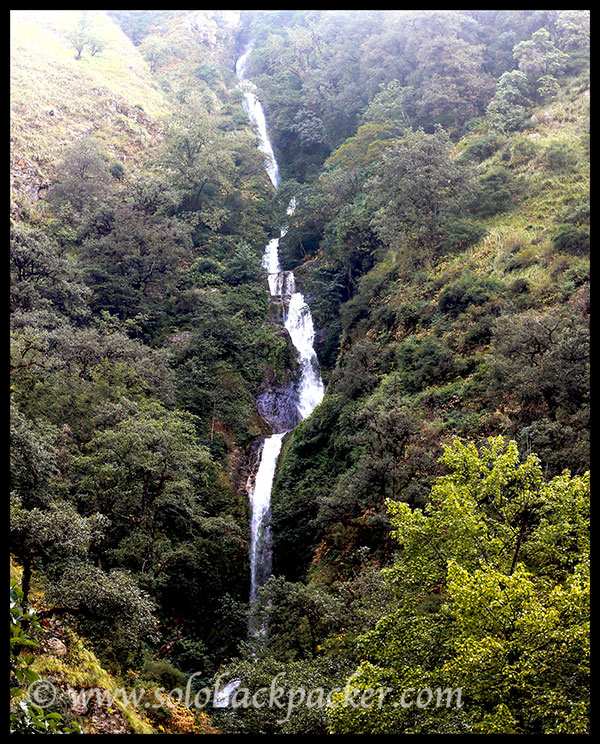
[510,105]
[538,56]
[134,252]
[572,239]
[418,185]
[136,23]
[485,604]
[26,717]
[461,234]
[495,193]
[142,333]
[33,459]
[83,36]
[298,617]
[243,266]
[154,50]
[426,362]
[144,472]
[84,177]
[107,606]
[545,354]
[191,161]
[559,157]
[79,37]
[469,290]
[387,106]
[482,147]
[573,29]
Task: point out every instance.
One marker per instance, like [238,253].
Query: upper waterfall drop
[256,114]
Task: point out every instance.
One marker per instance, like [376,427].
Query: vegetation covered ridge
[430,518]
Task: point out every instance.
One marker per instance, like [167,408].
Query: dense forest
[430,517]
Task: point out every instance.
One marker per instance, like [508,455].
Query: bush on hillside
[494,193]
[571,239]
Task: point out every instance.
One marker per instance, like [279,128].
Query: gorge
[309,389]
[299,371]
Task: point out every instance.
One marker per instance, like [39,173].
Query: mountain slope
[56,98]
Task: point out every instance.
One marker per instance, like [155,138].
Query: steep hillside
[429,346]
[442,236]
[56,98]
[138,311]
[424,338]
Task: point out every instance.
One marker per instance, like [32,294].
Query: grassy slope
[542,192]
[110,96]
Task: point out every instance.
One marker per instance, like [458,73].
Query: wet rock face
[278,406]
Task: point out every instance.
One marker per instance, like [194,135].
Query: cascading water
[260,548]
[298,322]
[257,116]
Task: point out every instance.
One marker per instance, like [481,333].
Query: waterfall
[298,322]
[257,117]
[260,548]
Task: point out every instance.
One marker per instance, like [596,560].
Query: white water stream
[298,321]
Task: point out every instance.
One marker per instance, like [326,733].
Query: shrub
[571,239]
[523,150]
[524,258]
[426,362]
[468,290]
[479,328]
[413,313]
[461,234]
[483,147]
[575,212]
[518,287]
[117,170]
[560,264]
[559,157]
[385,318]
[494,193]
[204,272]
[161,670]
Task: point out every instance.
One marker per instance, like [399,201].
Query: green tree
[492,588]
[388,107]
[42,279]
[134,252]
[149,473]
[418,185]
[298,617]
[197,159]
[79,36]
[154,49]
[50,537]
[107,606]
[573,29]
[84,177]
[546,357]
[511,104]
[449,84]
[96,45]
[32,458]
[539,56]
